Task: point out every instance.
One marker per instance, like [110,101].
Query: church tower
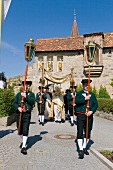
[74,27]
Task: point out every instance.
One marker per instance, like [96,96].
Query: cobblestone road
[45,152]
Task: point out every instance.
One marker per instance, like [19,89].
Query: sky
[48,19]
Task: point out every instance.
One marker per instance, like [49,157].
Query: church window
[40,62]
[60,63]
[50,64]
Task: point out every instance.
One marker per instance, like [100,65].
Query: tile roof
[68,43]
[59,44]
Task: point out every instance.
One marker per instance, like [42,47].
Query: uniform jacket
[70,99]
[81,102]
[44,97]
[29,100]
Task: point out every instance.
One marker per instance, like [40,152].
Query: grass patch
[108,154]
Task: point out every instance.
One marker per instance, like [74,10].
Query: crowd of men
[58,107]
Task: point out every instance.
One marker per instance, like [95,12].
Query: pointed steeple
[74,27]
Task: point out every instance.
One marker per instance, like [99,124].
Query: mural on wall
[60,63]
[50,64]
[40,63]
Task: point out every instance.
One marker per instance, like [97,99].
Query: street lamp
[90,49]
[29,49]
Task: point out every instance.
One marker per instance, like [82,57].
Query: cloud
[12,49]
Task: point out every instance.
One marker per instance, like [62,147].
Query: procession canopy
[56,79]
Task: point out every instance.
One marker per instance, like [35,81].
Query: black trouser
[71,110]
[66,108]
[41,108]
[25,122]
[81,125]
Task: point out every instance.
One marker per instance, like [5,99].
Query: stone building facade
[59,55]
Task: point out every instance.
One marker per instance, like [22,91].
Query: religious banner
[56,79]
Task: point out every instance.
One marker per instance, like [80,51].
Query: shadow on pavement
[43,132]
[34,139]
[6,132]
[32,122]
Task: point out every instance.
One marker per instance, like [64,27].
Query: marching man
[41,100]
[82,98]
[70,97]
[29,101]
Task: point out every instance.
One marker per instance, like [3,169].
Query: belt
[80,112]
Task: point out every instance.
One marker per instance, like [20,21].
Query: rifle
[88,104]
[22,102]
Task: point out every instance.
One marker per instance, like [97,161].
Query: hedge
[105,105]
[6,100]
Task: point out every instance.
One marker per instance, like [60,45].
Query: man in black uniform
[71,103]
[66,106]
[41,100]
[81,104]
[29,101]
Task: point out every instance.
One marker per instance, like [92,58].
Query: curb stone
[104,160]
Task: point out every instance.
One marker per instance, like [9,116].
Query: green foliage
[107,152]
[6,99]
[95,92]
[79,88]
[103,93]
[11,87]
[111,82]
[105,105]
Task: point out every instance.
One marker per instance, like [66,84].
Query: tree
[103,93]
[95,91]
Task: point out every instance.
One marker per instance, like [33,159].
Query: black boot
[85,151]
[24,151]
[81,154]
[42,123]
[72,124]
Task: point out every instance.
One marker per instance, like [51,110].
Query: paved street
[46,152]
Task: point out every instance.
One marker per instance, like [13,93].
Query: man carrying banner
[72,105]
[28,103]
[48,103]
[81,106]
[41,100]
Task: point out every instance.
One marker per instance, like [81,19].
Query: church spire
[74,15]
[74,27]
